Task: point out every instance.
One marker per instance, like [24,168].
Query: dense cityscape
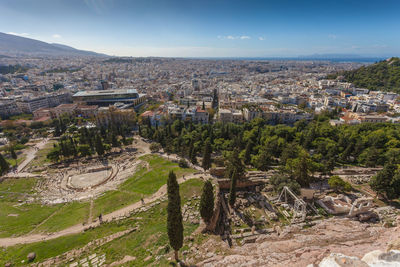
[187,133]
[278,91]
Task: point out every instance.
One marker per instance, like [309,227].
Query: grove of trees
[299,151]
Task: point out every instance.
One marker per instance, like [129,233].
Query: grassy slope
[51,218]
[151,235]
[143,183]
[12,191]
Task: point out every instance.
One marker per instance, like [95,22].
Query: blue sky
[210,28]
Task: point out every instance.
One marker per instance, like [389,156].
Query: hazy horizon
[221,28]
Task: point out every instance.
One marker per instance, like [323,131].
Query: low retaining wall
[226,183]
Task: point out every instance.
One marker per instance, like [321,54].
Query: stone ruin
[361,208]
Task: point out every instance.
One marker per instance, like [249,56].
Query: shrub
[183,163]
[337,184]
[155,147]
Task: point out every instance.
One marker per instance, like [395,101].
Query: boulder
[31,256]
[340,260]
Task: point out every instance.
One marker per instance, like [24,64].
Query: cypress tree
[247,153]
[193,154]
[206,164]
[13,154]
[234,163]
[207,202]
[190,150]
[232,191]
[4,166]
[174,220]
[99,146]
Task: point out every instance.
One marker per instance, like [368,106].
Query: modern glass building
[109,97]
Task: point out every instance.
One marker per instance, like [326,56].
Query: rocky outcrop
[300,246]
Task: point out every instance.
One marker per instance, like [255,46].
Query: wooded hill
[383,76]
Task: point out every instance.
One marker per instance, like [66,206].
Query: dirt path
[27,239]
[31,153]
[43,222]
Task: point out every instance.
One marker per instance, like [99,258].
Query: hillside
[12,45]
[384,76]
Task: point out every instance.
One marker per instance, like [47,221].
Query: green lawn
[143,183]
[150,236]
[67,215]
[18,218]
[14,162]
[22,186]
[51,248]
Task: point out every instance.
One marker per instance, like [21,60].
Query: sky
[210,28]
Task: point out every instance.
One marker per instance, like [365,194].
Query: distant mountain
[383,75]
[12,45]
[341,57]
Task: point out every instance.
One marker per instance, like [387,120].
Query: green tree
[174,220]
[54,154]
[193,155]
[248,150]
[337,184]
[206,163]
[263,159]
[207,202]
[385,182]
[13,154]
[372,157]
[300,168]
[234,163]
[84,150]
[4,166]
[155,147]
[114,140]
[232,190]
[99,146]
[281,180]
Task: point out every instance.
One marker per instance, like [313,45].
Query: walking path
[27,239]
[31,153]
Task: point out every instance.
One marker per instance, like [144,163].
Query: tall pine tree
[206,164]
[232,191]
[13,154]
[99,146]
[207,202]
[4,166]
[174,220]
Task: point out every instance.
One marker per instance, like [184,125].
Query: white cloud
[57,36]
[231,37]
[24,34]
[332,36]
[261,38]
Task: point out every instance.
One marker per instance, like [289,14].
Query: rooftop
[106,92]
